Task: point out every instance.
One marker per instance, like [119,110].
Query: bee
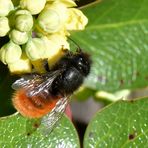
[48,94]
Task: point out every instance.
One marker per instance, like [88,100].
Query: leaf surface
[123,124]
[116,38]
[17,131]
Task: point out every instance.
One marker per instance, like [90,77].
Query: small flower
[23,22]
[5,7]
[35,48]
[18,37]
[41,27]
[52,18]
[10,53]
[4,26]
[22,65]
[54,44]
[76,20]
[34,7]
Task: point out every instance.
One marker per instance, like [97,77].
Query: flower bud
[18,37]
[24,22]
[10,53]
[77,20]
[4,26]
[5,7]
[23,65]
[35,48]
[52,18]
[34,7]
[59,41]
[12,17]
[54,43]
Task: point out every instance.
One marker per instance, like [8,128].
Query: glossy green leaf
[122,124]
[116,38]
[17,131]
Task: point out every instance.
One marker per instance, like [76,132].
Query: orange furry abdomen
[32,107]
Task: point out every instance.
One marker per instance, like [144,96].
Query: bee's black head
[82,62]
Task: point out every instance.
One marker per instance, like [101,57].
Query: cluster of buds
[37,30]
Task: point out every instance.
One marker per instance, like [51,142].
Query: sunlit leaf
[17,131]
[116,38]
[122,124]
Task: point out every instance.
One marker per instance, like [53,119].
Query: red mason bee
[40,94]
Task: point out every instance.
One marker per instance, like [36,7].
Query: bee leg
[46,66]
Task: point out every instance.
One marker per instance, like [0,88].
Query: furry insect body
[38,94]
[75,67]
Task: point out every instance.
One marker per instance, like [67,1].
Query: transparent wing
[35,84]
[49,121]
[27,81]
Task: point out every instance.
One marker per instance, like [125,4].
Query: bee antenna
[78,47]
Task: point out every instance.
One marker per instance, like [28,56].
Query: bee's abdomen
[33,107]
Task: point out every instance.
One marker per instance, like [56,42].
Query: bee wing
[35,84]
[49,121]
[44,86]
[27,81]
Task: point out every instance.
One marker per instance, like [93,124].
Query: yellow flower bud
[52,18]
[24,22]
[18,37]
[10,53]
[77,20]
[63,32]
[5,7]
[35,49]
[23,65]
[54,44]
[59,41]
[34,7]
[4,26]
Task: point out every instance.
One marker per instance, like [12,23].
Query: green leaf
[122,124]
[116,38]
[17,131]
